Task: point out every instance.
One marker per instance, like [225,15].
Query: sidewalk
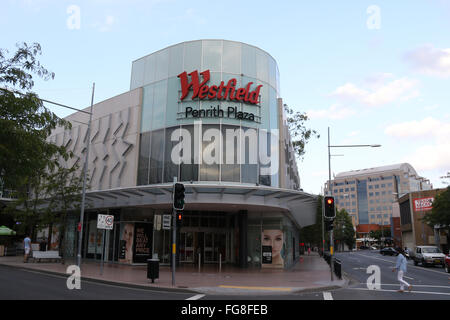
[309,273]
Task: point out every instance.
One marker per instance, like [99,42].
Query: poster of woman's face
[274,238]
[127,235]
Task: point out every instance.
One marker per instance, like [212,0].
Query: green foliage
[343,228]
[440,213]
[300,135]
[29,164]
[25,123]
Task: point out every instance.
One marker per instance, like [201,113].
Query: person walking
[27,248]
[401,267]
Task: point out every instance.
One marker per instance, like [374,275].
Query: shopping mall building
[208,114]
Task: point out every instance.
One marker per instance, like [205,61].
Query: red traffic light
[329,210]
[179,217]
[330,200]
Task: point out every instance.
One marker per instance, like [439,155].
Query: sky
[373,72]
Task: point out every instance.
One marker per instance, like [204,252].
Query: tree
[313,234]
[343,229]
[300,135]
[25,123]
[440,213]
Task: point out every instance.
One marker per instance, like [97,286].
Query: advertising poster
[126,243]
[142,242]
[267,254]
[275,239]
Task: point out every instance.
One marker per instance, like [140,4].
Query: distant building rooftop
[405,167]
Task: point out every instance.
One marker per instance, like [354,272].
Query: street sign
[167,218]
[105,222]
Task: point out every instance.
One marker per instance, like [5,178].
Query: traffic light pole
[330,192]
[174,244]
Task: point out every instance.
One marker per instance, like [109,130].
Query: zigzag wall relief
[112,149]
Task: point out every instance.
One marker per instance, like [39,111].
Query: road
[431,283]
[22,284]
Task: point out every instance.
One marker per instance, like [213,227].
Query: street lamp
[330,190]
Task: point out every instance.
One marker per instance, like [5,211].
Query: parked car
[389,251]
[447,263]
[428,255]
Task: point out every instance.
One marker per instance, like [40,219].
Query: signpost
[105,222]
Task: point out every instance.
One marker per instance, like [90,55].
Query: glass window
[212,55]
[362,202]
[231,58]
[170,167]
[150,69]
[249,172]
[159,105]
[137,73]
[144,154]
[147,108]
[230,171]
[248,61]
[192,56]
[189,171]
[176,61]
[209,169]
[162,65]
[156,156]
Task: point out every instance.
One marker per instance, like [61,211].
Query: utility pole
[85,167]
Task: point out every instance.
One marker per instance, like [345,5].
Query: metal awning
[299,205]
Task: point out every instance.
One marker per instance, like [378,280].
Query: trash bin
[153,269]
[338,268]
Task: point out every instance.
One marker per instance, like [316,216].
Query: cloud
[435,154]
[428,128]
[378,92]
[430,61]
[334,112]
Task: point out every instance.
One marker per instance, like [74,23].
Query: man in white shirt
[27,248]
[401,267]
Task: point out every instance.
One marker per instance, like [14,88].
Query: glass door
[209,250]
[187,247]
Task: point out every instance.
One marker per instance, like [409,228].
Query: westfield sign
[221,92]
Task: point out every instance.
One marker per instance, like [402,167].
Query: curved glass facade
[164,114]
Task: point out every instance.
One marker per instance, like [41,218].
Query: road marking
[414,285]
[408,278]
[256,288]
[423,292]
[196,297]
[327,295]
[409,266]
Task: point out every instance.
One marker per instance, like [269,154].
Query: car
[447,263]
[363,247]
[428,255]
[389,251]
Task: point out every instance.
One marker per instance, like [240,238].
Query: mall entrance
[206,236]
[210,246]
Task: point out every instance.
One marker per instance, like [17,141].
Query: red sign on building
[423,204]
[221,92]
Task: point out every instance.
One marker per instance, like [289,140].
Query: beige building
[369,195]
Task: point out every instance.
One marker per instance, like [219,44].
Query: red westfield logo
[221,92]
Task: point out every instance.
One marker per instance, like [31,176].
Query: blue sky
[373,71]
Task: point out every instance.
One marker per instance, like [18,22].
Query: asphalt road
[429,283]
[23,284]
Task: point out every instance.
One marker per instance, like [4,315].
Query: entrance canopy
[298,205]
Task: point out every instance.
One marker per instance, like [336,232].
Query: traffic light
[178,196]
[179,219]
[329,210]
[328,225]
